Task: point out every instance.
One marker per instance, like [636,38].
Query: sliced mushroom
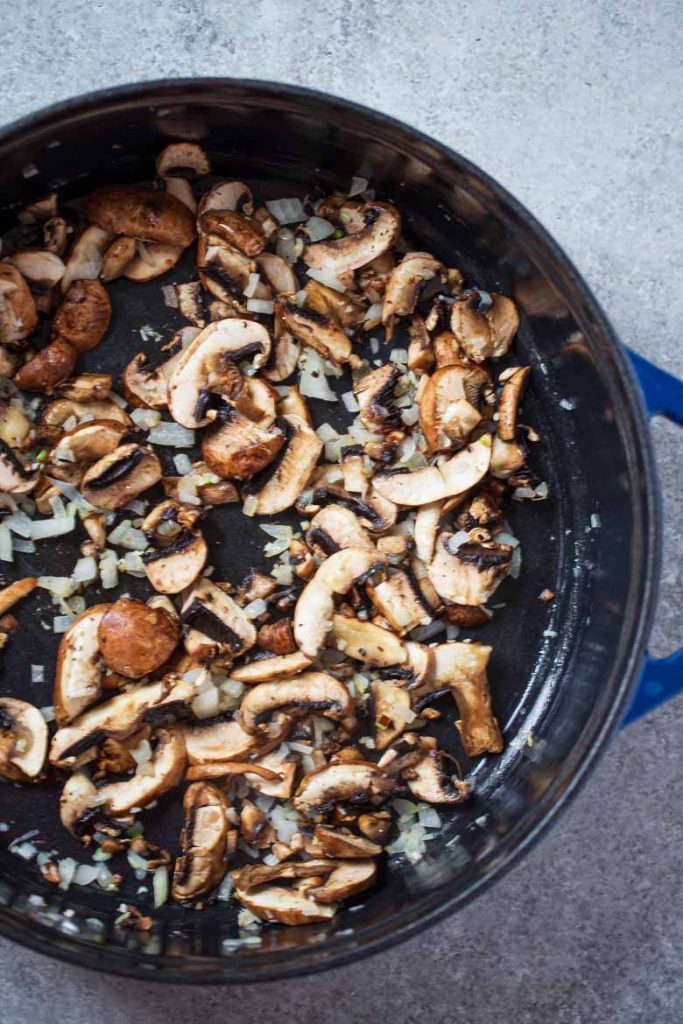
[80,447]
[315,607]
[273,775]
[47,368]
[510,397]
[183,160]
[285,355]
[405,284]
[57,412]
[15,477]
[317,330]
[364,641]
[18,315]
[484,324]
[119,717]
[286,906]
[375,392]
[219,629]
[203,841]
[228,195]
[191,302]
[86,257]
[117,256]
[462,667]
[237,447]
[338,306]
[120,476]
[23,740]
[356,782]
[222,740]
[265,670]
[507,458]
[392,711]
[141,213]
[452,476]
[222,769]
[278,273]
[451,403]
[201,369]
[43,268]
[401,602]
[87,386]
[343,844]
[151,260]
[353,469]
[434,779]
[56,235]
[235,229]
[281,482]
[374,513]
[426,528]
[224,273]
[381,228]
[78,676]
[10,595]
[179,555]
[83,316]
[335,528]
[346,880]
[277,637]
[145,380]
[78,804]
[162,772]
[309,692]
[420,350]
[255,828]
[135,639]
[469,573]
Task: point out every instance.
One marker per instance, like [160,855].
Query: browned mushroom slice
[153,778]
[223,769]
[484,324]
[317,330]
[343,844]
[346,880]
[116,258]
[14,424]
[375,826]
[507,458]
[401,602]
[392,711]
[179,550]
[514,383]
[117,718]
[143,213]
[184,160]
[285,356]
[374,513]
[309,692]
[353,468]
[420,350]
[78,675]
[224,273]
[191,302]
[315,607]
[219,629]
[87,386]
[346,310]
[42,268]
[257,875]
[372,279]
[278,273]
[294,404]
[18,314]
[145,380]
[224,740]
[15,477]
[451,403]
[83,316]
[265,670]
[237,447]
[235,229]
[468,573]
[435,780]
[357,782]
[381,228]
[228,195]
[364,641]
[462,667]
[23,740]
[151,260]
[334,528]
[136,639]
[281,483]
[203,841]
[120,476]
[375,392]
[452,476]
[81,447]
[405,284]
[201,370]
[57,412]
[273,764]
[47,368]
[78,805]
[426,528]
[285,906]
[255,828]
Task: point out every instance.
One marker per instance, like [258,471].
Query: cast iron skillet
[562,674]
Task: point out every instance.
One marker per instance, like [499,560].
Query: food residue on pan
[288,712]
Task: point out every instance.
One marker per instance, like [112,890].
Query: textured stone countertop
[575,107]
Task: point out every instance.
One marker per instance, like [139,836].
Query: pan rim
[647,508]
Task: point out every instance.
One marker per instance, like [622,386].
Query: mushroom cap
[335,527]
[152,259]
[86,256]
[141,213]
[392,711]
[346,880]
[23,740]
[15,477]
[405,283]
[239,448]
[218,626]
[484,324]
[47,368]
[235,229]
[78,675]
[82,446]
[177,566]
[431,779]
[135,639]
[183,159]
[344,845]
[83,315]
[469,574]
[18,314]
[381,229]
[450,402]
[462,667]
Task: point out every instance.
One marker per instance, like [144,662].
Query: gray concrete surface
[575,107]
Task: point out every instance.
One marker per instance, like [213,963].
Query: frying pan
[564,675]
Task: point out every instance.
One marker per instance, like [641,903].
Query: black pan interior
[558,671]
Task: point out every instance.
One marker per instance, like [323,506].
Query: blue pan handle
[662,678]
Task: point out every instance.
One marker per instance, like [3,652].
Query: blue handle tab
[662,678]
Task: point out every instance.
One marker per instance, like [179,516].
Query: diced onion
[61,623]
[358,185]
[37,673]
[109,573]
[255,608]
[5,544]
[71,494]
[316,387]
[160,886]
[260,306]
[252,285]
[146,418]
[26,547]
[55,527]
[326,277]
[172,434]
[170,297]
[318,228]
[19,523]
[277,530]
[286,211]
[249,506]
[182,464]
[85,874]
[85,570]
